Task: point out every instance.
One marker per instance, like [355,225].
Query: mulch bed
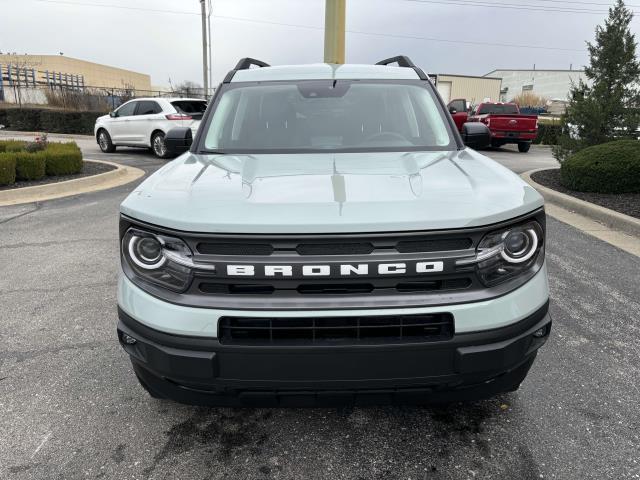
[627,203]
[88,169]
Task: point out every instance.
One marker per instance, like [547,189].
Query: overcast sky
[168,45]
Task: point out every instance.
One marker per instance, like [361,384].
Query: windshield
[340,116]
[506,109]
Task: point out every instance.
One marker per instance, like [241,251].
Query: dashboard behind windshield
[327,116]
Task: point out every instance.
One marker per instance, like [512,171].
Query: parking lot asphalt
[72,408]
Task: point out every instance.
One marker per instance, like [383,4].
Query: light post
[334,31]
[205,68]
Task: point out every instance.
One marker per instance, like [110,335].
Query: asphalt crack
[38,205]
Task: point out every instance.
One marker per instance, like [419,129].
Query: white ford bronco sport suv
[328,239]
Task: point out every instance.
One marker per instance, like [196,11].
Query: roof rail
[404,61]
[244,64]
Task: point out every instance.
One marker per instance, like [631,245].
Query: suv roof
[169,99]
[406,70]
[324,71]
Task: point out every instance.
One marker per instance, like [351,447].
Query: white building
[473,89]
[550,84]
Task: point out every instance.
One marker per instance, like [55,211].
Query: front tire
[105,143]
[158,146]
[523,147]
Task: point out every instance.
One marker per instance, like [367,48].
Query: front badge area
[333,270]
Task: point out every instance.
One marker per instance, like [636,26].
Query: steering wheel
[390,135]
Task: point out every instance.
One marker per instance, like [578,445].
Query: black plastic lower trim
[203,371]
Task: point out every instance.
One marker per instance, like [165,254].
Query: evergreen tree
[605,107]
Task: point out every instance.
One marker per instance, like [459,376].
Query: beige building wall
[473,89]
[95,74]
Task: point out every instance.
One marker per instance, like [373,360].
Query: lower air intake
[336,330]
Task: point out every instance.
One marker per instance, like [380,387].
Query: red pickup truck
[504,120]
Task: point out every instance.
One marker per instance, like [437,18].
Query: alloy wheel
[103,141]
[159,147]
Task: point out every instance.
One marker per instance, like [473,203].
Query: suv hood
[330,193]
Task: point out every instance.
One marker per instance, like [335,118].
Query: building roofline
[484,77]
[27,55]
[532,70]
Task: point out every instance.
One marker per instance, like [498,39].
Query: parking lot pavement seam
[19,215]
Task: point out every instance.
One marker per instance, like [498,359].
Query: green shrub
[612,167]
[52,121]
[548,134]
[62,158]
[29,166]
[7,168]
[12,145]
[23,119]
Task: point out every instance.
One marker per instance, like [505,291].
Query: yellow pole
[334,27]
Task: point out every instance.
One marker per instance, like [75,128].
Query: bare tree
[189,88]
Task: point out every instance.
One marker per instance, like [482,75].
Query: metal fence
[72,94]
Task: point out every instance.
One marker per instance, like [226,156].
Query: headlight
[158,259]
[507,253]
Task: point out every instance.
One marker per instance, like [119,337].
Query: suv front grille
[337,288]
[296,289]
[335,246]
[439,245]
[331,271]
[336,330]
[235,249]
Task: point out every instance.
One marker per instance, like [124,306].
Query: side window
[127,109]
[458,105]
[148,107]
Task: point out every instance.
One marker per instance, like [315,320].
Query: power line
[586,3]
[474,3]
[511,6]
[311,27]
[408,37]
[489,44]
[123,7]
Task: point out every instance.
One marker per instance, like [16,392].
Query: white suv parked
[144,122]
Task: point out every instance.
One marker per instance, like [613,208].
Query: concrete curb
[13,133]
[610,218]
[120,176]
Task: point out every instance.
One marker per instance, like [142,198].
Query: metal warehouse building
[473,89]
[53,70]
[550,84]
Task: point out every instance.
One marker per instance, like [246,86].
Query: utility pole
[210,45]
[205,68]
[334,30]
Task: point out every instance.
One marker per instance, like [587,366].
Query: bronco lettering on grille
[337,270]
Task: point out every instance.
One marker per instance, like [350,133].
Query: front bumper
[203,371]
[470,317]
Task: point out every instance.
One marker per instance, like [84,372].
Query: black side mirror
[113,114]
[178,140]
[476,135]
[452,110]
